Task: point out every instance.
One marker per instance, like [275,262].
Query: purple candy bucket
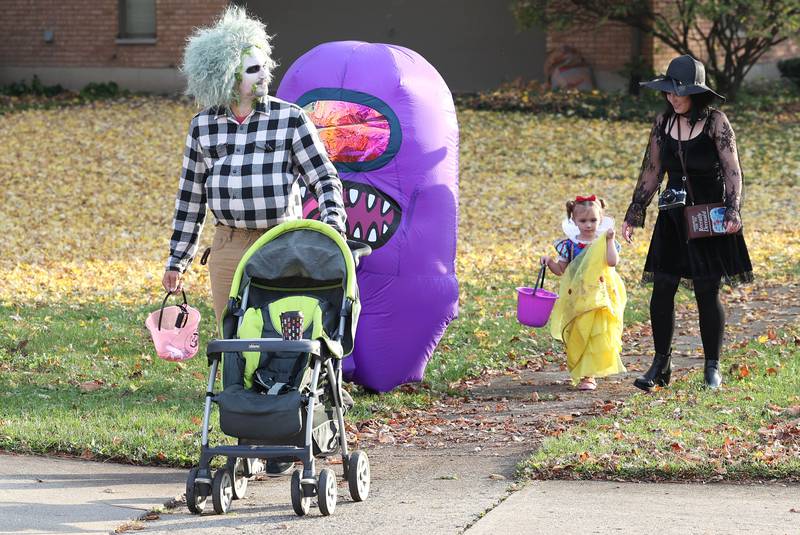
[534,305]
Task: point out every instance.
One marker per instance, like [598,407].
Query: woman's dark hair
[700,104]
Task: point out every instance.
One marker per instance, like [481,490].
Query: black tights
[662,314]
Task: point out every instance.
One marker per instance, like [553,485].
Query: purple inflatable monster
[388,121]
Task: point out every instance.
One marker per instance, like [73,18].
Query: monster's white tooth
[353,194]
[373,236]
[357,233]
[385,228]
[303,191]
[370,201]
[385,207]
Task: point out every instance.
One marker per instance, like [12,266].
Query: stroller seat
[262,391]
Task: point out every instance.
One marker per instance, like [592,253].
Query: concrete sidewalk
[46,495]
[599,507]
[52,496]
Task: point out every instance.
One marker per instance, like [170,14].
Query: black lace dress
[713,166]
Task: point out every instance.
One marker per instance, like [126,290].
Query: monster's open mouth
[372,216]
[360,133]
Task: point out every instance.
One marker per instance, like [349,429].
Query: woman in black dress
[689,126]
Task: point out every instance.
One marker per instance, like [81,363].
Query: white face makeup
[253,84]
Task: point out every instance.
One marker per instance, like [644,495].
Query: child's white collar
[572,231]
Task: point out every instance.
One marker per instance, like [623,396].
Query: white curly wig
[213,55]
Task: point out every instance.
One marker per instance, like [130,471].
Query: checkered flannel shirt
[248,174]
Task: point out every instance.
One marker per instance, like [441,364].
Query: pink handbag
[174,330]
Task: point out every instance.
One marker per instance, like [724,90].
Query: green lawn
[78,372]
[748,430]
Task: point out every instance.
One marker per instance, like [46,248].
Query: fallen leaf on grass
[137,372]
[743,371]
[91,386]
[608,407]
[771,334]
[20,348]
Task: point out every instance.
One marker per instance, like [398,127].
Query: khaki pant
[227,249]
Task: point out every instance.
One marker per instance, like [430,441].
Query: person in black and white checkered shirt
[247,154]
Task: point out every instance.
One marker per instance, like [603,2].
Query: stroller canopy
[306,249]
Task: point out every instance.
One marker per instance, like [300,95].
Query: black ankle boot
[658,374]
[711,375]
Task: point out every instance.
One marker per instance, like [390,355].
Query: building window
[137,19]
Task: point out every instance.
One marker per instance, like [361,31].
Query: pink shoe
[587,383]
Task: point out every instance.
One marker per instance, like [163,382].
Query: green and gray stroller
[283,398]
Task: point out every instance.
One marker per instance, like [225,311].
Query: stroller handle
[358,249]
[215,348]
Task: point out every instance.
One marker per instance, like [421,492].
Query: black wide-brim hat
[685,76]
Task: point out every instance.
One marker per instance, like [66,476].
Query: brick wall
[607,47]
[85,33]
[663,54]
[786,49]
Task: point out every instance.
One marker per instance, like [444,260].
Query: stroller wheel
[358,477]
[196,493]
[326,492]
[222,491]
[300,503]
[238,468]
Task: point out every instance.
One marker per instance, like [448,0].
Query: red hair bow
[590,198]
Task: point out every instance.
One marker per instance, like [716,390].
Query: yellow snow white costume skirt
[587,316]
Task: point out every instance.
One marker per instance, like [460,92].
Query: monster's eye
[253,69]
[351,132]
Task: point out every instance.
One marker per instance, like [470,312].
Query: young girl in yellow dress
[587,316]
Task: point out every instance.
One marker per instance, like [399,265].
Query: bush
[21,95]
[777,97]
[36,88]
[101,90]
[790,69]
[536,98]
